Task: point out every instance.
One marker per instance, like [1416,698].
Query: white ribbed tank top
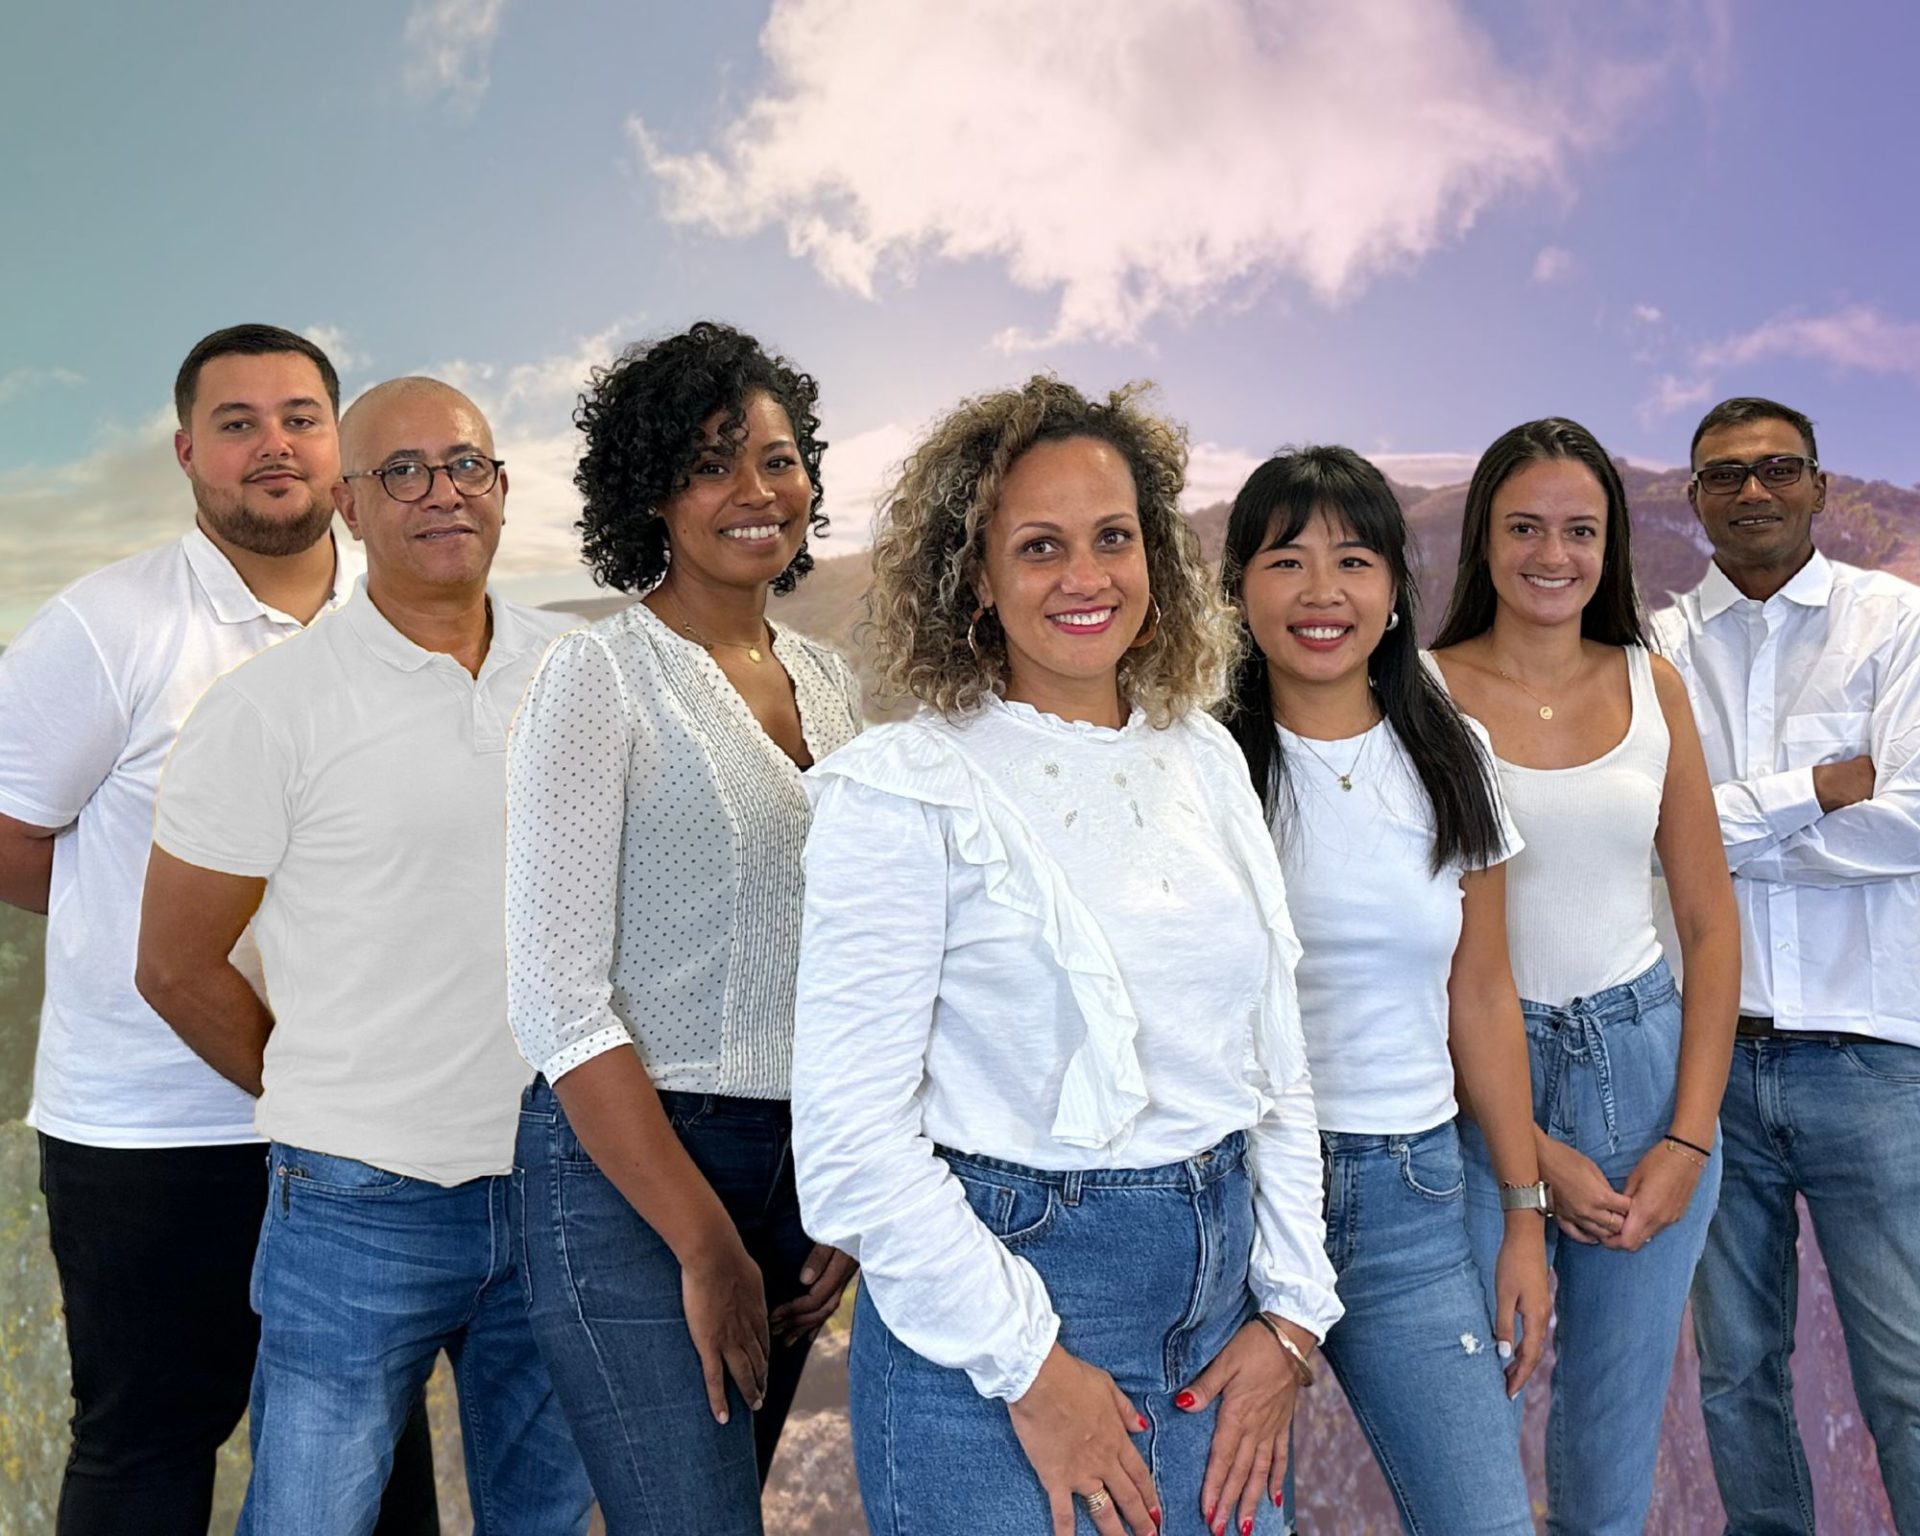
[1580,894]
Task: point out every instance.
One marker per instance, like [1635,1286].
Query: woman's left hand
[1660,1187]
[1256,1384]
[1524,1297]
[825,1276]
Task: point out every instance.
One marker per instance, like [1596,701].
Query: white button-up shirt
[92,693]
[1826,669]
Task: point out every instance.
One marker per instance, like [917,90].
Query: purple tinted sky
[1402,225]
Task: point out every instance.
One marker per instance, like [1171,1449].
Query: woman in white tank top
[1544,643]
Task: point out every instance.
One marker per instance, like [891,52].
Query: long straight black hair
[1454,770]
[1613,614]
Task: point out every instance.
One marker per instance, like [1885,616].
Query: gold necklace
[754,653]
[1346,779]
[1546,709]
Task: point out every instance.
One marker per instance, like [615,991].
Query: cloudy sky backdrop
[1402,224]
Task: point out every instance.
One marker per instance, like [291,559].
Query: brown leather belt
[1753,1026]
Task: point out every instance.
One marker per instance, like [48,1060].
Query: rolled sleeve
[872,942]
[567,767]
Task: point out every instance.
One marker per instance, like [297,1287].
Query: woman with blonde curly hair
[1049,1083]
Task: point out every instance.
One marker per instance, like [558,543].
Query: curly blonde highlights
[928,637]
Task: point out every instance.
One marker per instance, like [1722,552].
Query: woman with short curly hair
[1049,1083]
[656,817]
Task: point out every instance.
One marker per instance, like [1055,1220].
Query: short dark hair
[1742,409]
[642,421]
[1613,614]
[247,341]
[1278,500]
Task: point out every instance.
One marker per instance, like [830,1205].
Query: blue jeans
[1839,1124]
[603,1294]
[1604,1069]
[1147,1268]
[362,1277]
[1415,1351]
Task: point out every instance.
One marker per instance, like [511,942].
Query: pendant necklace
[1546,709]
[1346,779]
[754,652]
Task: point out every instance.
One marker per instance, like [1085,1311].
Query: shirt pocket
[1830,737]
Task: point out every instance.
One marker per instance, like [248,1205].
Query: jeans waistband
[538,1098]
[1351,1143]
[1580,1025]
[1196,1172]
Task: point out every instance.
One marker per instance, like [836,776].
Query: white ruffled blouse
[1059,945]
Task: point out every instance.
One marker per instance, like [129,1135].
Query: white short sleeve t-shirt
[92,693]
[1377,928]
[365,779]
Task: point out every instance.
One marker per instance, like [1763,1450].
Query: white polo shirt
[92,693]
[365,779]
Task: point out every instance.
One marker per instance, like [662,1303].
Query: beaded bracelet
[1684,1149]
[1691,1146]
[1301,1370]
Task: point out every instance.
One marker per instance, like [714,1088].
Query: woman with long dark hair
[656,817]
[1383,805]
[1544,643]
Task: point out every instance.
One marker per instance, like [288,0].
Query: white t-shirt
[365,779]
[1377,929]
[92,693]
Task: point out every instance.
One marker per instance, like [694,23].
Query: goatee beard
[275,537]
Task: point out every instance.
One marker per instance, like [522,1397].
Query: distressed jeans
[1839,1124]
[1414,1352]
[1604,1069]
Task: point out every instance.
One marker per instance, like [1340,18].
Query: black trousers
[154,1249]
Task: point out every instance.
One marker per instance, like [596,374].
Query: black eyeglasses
[1775,473]
[472,474]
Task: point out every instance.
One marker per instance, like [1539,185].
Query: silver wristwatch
[1524,1197]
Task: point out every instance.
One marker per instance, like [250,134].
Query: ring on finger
[1096,1501]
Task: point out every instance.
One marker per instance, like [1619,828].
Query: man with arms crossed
[154,1178]
[349,787]
[1805,676]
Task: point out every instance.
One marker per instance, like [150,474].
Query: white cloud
[448,44]
[1647,314]
[332,340]
[1672,394]
[1136,160]
[1855,339]
[16,382]
[1554,264]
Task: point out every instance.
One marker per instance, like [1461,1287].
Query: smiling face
[1065,570]
[1758,533]
[262,452]
[1546,542]
[445,540]
[743,514]
[1317,604]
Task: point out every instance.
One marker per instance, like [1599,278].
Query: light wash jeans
[1604,1069]
[1147,1268]
[362,1278]
[1839,1124]
[1415,1351]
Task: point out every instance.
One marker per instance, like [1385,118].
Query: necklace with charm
[1346,779]
[753,650]
[1546,709]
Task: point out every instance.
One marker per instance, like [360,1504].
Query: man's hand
[1845,783]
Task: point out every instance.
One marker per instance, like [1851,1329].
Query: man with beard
[155,1181]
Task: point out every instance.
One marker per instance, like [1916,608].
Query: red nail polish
[1246,1526]
[1154,1516]
[1210,1509]
[1279,1499]
[1185,1400]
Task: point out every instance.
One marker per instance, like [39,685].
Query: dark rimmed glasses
[1775,473]
[472,474]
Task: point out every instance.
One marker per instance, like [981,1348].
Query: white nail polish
[1503,1349]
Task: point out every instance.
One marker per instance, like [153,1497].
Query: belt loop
[1070,1187]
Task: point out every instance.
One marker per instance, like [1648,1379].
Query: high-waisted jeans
[603,1294]
[1414,1351]
[1147,1268]
[1604,1070]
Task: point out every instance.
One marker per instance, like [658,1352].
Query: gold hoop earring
[1147,631]
[973,636]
